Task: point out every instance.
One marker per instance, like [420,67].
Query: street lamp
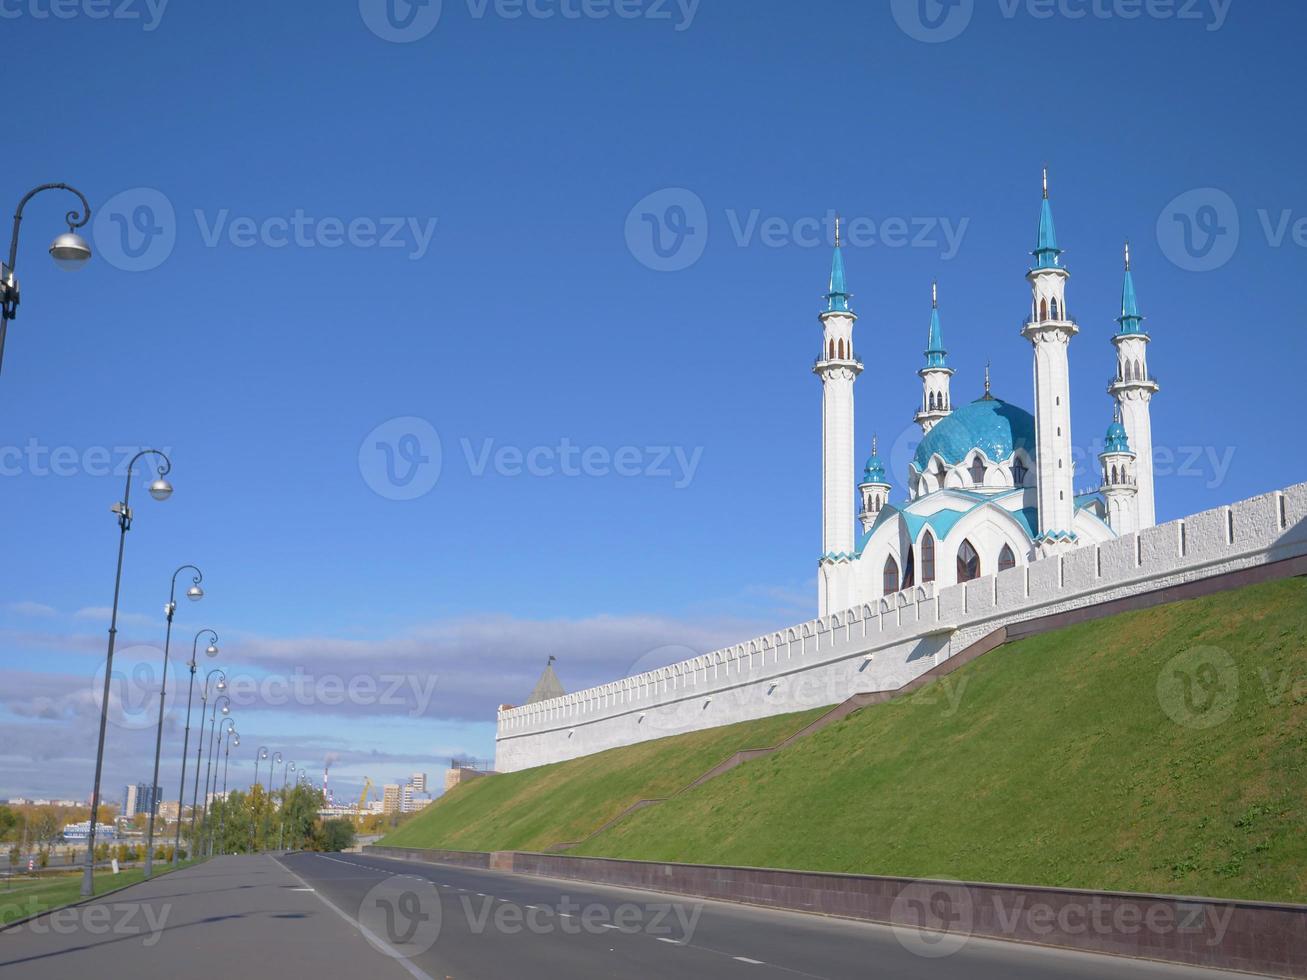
[208,771]
[199,745]
[69,251]
[160,489]
[229,728]
[212,651]
[232,739]
[281,833]
[194,593]
[262,753]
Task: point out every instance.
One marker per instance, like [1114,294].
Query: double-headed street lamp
[160,489]
[194,593]
[212,651]
[69,251]
[199,745]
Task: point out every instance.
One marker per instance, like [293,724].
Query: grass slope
[1052,761]
[21,897]
[534,808]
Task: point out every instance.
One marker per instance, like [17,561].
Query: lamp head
[211,650]
[226,709]
[222,683]
[195,593]
[70,251]
[161,489]
[236,740]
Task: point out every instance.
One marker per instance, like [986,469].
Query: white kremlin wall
[881,646]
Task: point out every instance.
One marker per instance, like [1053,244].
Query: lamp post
[211,651]
[261,753]
[194,593]
[232,738]
[69,251]
[199,745]
[160,489]
[228,729]
[208,770]
[281,832]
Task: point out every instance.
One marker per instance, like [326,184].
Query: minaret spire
[935,400]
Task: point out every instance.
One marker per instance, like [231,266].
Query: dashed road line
[745,959]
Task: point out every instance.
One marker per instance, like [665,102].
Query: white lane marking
[414,970]
[302,889]
[745,959]
[609,925]
[664,939]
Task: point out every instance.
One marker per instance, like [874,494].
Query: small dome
[991,425]
[874,471]
[1116,440]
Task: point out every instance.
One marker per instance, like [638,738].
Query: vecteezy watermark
[404,916]
[406,21]
[410,692]
[402,459]
[36,459]
[1199,688]
[148,13]
[668,230]
[933,918]
[123,919]
[133,687]
[136,230]
[936,21]
[1200,230]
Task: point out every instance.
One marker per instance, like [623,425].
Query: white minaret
[874,488]
[1120,486]
[935,401]
[1133,390]
[1049,331]
[838,368]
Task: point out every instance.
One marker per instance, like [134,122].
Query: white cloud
[28,608]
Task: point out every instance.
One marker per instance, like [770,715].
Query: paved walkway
[234,918]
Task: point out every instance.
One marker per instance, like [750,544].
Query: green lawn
[534,808]
[1052,761]
[22,897]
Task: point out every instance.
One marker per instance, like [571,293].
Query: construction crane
[363,798]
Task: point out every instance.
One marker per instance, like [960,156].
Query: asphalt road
[351,915]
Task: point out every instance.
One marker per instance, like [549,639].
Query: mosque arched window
[1054,309]
[978,471]
[968,562]
[890,580]
[941,474]
[841,348]
[1043,309]
[1019,472]
[832,349]
[927,557]
[909,571]
[1006,559]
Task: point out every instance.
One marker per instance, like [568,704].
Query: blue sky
[312,222]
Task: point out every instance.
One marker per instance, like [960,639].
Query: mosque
[990,486]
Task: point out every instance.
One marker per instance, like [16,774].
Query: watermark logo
[136,229]
[1199,688]
[401,21]
[133,687]
[667,231]
[933,919]
[401,459]
[1199,230]
[401,916]
[933,21]
[148,12]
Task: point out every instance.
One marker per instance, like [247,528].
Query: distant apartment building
[391,798]
[418,781]
[139,798]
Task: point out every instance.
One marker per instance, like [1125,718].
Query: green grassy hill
[1163,750]
[536,808]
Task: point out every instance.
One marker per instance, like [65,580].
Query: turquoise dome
[1116,441]
[991,425]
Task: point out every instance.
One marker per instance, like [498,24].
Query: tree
[44,825]
[336,834]
[8,822]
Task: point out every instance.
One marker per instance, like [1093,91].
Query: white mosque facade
[990,486]
[991,536]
